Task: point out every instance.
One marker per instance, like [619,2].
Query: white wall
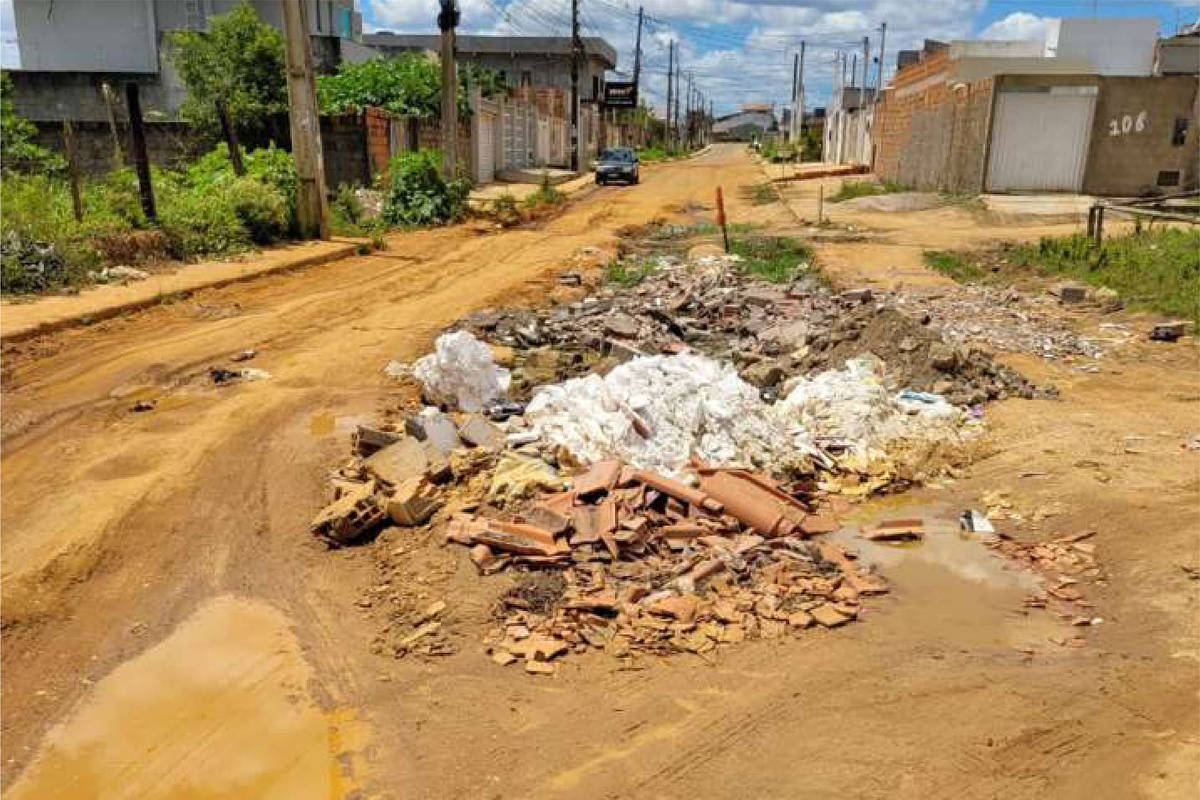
[1114,46]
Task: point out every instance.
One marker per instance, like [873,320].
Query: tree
[409,85]
[240,58]
[18,153]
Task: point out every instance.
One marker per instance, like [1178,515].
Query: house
[537,61]
[69,48]
[752,121]
[846,136]
[1089,109]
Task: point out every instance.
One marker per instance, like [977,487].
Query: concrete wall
[168,144]
[1114,46]
[55,96]
[1132,136]
[63,35]
[930,132]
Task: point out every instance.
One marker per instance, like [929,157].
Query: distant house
[1100,106]
[752,121]
[536,61]
[68,48]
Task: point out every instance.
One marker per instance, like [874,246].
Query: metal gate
[486,148]
[1040,139]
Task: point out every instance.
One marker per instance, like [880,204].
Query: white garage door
[1040,139]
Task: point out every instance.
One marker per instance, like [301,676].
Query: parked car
[617,164]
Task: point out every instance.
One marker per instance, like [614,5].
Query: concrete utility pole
[637,55]
[879,78]
[795,80]
[678,132]
[576,49]
[670,72]
[798,110]
[862,100]
[687,112]
[312,213]
[447,20]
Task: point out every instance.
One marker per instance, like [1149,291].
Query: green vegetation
[953,265]
[409,84]
[1158,269]
[204,210]
[761,194]
[624,273]
[16,134]
[849,190]
[416,193]
[546,195]
[240,58]
[777,259]
[660,152]
[734,228]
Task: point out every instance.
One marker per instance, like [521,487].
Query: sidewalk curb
[24,334]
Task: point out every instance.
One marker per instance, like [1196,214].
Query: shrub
[195,225]
[16,134]
[418,195]
[260,208]
[28,266]
[777,259]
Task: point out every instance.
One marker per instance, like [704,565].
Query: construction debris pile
[770,332]
[999,319]
[652,565]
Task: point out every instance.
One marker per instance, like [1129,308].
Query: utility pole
[798,111]
[670,72]
[795,80]
[862,100]
[447,20]
[882,40]
[576,50]
[687,112]
[637,55]
[678,70]
[137,139]
[312,213]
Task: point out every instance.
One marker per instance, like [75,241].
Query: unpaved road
[170,630]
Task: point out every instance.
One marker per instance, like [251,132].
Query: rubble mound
[916,357]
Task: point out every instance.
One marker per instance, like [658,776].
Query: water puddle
[220,708]
[325,423]
[952,586]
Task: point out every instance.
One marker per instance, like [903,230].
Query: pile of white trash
[661,412]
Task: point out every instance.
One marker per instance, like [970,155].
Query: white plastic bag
[460,372]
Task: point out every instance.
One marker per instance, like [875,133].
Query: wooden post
[141,162]
[721,218]
[106,91]
[235,152]
[447,21]
[73,169]
[312,212]
[820,202]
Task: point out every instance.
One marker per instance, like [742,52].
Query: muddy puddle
[949,585]
[220,708]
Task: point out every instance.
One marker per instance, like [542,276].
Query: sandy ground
[170,629]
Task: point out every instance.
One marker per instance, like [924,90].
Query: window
[1179,134]
[1168,178]
[595,87]
[527,77]
[503,78]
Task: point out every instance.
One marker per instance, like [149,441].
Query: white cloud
[1017,26]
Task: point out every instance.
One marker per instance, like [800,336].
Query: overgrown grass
[761,194]
[849,190]
[953,265]
[626,273]
[734,228]
[777,259]
[659,152]
[1159,270]
[546,195]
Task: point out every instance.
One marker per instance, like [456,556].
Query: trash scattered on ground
[460,372]
[1002,320]
[144,405]
[895,530]
[1168,331]
[119,274]
[244,355]
[223,377]
[975,522]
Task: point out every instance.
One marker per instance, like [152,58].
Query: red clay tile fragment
[679,491]
[601,477]
[820,523]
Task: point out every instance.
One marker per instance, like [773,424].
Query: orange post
[721,217]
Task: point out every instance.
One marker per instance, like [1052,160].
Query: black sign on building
[620,95]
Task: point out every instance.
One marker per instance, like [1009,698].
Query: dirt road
[170,629]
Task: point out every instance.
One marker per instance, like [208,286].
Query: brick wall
[378,124]
[929,135]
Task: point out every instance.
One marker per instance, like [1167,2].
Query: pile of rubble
[770,332]
[653,565]
[1001,320]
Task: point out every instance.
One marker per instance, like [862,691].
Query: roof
[593,46]
[758,107]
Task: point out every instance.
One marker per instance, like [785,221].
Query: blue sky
[740,51]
